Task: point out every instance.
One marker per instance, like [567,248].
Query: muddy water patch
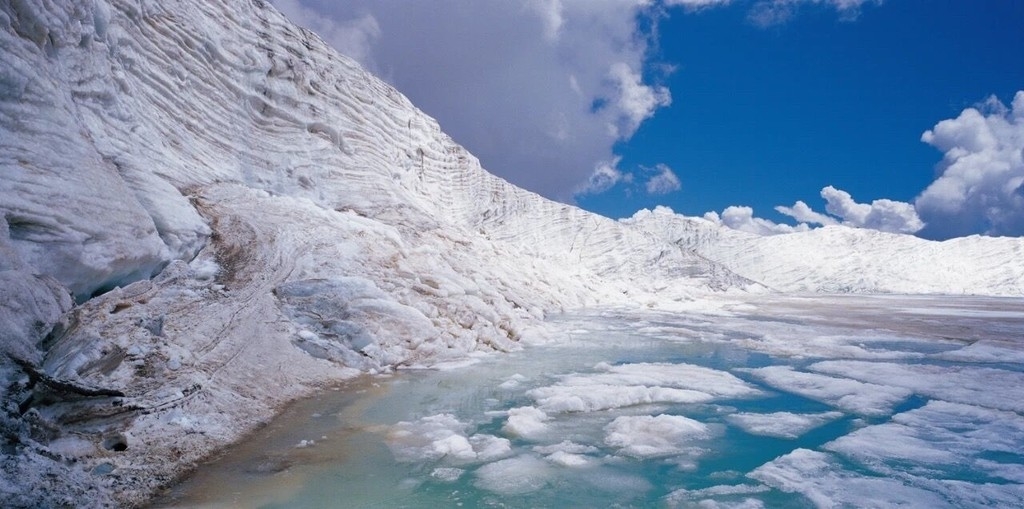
[273,463]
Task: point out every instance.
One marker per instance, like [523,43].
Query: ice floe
[843,393]
[941,440]
[443,437]
[780,424]
[822,479]
[639,384]
[651,436]
[979,385]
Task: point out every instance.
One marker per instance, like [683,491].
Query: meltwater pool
[771,402]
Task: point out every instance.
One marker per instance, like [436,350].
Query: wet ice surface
[780,402]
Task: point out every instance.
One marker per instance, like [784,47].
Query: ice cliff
[205,212]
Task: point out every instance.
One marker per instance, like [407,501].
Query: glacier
[207,213]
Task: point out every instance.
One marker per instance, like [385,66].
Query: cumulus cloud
[604,177]
[980,183]
[804,214]
[979,188]
[884,215]
[664,181]
[633,101]
[539,90]
[658,180]
[550,14]
[696,4]
[742,219]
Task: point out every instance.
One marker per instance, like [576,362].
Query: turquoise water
[627,409]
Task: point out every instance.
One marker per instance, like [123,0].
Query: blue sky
[703,105]
[767,116]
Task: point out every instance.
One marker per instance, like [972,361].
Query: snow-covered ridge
[838,259]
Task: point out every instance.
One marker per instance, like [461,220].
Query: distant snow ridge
[838,259]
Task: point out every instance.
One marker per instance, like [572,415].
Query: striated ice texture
[206,212]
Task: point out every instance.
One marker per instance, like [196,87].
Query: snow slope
[838,259]
[243,216]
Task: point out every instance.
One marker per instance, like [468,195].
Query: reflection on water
[791,402]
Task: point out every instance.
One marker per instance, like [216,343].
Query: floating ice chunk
[453,445]
[447,474]
[858,397]
[820,478]
[780,424]
[567,446]
[442,436]
[713,497]
[567,459]
[514,476]
[940,437]
[987,351]
[681,376]
[513,382]
[962,384]
[489,447]
[526,422]
[638,384]
[649,436]
[589,398]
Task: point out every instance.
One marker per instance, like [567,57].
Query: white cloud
[550,14]
[742,219]
[696,4]
[658,180]
[664,181]
[604,177]
[884,215]
[980,187]
[632,100]
[804,214]
[539,90]
[766,13]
